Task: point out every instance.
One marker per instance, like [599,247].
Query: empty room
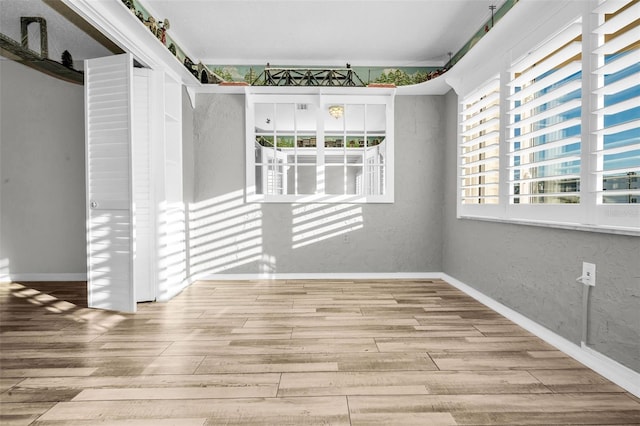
[300,212]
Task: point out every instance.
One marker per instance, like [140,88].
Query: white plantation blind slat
[487,148]
[620,171]
[540,196]
[554,78]
[620,63]
[489,112]
[480,139]
[536,164]
[619,107]
[620,20]
[618,150]
[476,198]
[546,146]
[560,91]
[551,63]
[544,179]
[610,130]
[620,85]
[482,185]
[483,125]
[482,103]
[567,106]
[618,43]
[562,38]
[483,162]
[610,6]
[478,174]
[548,130]
[479,164]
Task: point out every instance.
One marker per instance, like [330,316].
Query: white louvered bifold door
[108,100]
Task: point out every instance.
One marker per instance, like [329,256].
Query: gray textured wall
[229,236]
[42,183]
[533,270]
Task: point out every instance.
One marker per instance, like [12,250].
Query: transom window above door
[320,147]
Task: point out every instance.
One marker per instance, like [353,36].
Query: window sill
[559,225]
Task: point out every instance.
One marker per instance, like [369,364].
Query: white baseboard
[623,376]
[319,276]
[80,276]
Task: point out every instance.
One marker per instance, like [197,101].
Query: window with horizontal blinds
[479,145]
[544,128]
[555,141]
[618,103]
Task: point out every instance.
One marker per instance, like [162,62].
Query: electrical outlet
[589,273]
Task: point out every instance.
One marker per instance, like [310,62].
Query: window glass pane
[306,180]
[285,141]
[375,153]
[264,117]
[264,153]
[376,121]
[333,141]
[306,158]
[354,118]
[355,182]
[285,118]
[355,141]
[335,122]
[306,119]
[306,141]
[354,157]
[374,184]
[337,158]
[274,181]
[334,180]
[259,178]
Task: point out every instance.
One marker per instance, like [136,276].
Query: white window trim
[588,215]
[321,98]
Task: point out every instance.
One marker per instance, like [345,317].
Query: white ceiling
[322,32]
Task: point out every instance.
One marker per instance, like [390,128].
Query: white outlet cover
[589,273]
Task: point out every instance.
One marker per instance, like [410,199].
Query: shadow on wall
[313,223]
[172,248]
[225,232]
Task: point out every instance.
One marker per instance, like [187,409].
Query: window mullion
[589,182]
[320,174]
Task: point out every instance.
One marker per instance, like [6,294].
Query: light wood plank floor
[288,353]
